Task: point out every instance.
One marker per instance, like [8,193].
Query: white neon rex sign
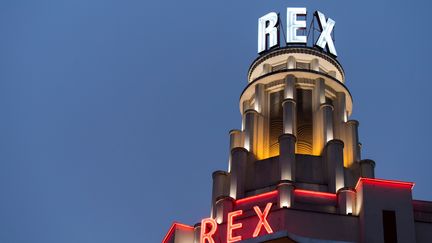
[268,30]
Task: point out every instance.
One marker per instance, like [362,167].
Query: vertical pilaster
[266,68]
[260,107]
[291,62]
[339,116]
[250,132]
[314,65]
[236,141]
[236,138]
[289,116]
[238,172]
[224,205]
[285,194]
[220,188]
[346,200]
[327,112]
[352,150]
[289,88]
[287,156]
[318,98]
[332,73]
[197,233]
[246,106]
[367,168]
[289,106]
[333,156]
[287,140]
[259,97]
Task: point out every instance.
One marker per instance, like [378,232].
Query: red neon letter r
[208,236]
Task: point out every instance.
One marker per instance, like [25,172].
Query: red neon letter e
[262,220]
[208,236]
[231,226]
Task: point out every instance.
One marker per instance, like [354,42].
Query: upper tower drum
[298,91]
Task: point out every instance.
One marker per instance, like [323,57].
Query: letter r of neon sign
[207,237]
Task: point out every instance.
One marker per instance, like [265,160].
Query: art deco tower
[295,170]
[295,128]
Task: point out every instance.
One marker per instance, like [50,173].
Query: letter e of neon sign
[231,226]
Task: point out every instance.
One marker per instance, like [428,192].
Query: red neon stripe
[257,197]
[172,229]
[381,182]
[315,193]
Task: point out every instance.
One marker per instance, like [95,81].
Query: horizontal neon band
[315,193]
[172,229]
[381,182]
[257,197]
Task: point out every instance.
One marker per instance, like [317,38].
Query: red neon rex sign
[209,225]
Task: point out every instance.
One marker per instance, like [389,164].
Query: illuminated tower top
[295,126]
[295,173]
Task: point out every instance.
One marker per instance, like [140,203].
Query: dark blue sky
[114,114]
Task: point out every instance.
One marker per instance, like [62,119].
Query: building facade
[295,170]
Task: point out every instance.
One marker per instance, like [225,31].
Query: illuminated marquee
[209,226]
[268,31]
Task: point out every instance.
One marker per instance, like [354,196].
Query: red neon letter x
[208,236]
[263,220]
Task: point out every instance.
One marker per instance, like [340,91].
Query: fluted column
[250,132]
[287,156]
[285,194]
[289,116]
[290,87]
[327,112]
[318,98]
[197,233]
[333,156]
[224,205]
[339,116]
[259,98]
[346,200]
[367,168]
[332,73]
[287,140]
[238,172]
[236,141]
[289,106]
[266,68]
[246,106]
[352,146]
[236,138]
[314,65]
[260,107]
[291,62]
[220,188]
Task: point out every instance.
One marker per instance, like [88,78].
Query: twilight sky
[114,114]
